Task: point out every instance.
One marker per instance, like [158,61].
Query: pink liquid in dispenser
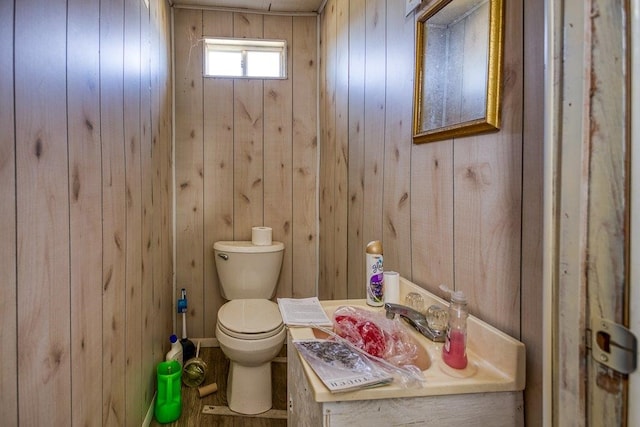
[454,352]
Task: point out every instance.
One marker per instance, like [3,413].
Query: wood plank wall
[246,155]
[456,212]
[593,212]
[85,209]
[607,247]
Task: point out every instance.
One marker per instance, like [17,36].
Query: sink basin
[496,360]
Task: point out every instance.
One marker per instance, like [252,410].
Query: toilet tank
[246,270]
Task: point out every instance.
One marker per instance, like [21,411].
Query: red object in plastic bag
[375,334]
[374,342]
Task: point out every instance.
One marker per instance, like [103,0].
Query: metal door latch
[613,345]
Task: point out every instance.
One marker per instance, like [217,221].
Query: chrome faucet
[415,319]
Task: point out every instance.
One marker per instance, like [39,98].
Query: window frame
[244,45]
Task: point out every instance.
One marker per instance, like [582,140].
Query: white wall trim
[634,264]
[319,139]
[174,319]
[551,125]
[149,417]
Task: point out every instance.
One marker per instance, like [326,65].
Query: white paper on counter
[303,312]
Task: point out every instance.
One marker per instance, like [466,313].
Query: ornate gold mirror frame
[458,73]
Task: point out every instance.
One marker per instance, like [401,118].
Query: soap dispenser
[454,351]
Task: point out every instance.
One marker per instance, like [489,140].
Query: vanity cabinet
[489,392]
[493,409]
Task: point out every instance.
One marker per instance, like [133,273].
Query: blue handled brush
[188,349]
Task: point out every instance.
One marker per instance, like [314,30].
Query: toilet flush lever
[224,256]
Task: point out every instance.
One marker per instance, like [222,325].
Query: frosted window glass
[265,64]
[224,63]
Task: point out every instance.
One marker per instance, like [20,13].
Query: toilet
[249,326]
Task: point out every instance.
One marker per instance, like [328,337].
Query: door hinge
[613,345]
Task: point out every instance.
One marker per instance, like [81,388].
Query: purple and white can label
[375,274]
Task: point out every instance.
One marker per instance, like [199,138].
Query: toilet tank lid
[247,247]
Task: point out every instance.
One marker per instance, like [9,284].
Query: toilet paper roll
[391,287]
[261,236]
[206,390]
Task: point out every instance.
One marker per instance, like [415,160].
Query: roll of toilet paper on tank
[391,287]
[261,236]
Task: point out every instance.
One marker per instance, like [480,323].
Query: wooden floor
[192,404]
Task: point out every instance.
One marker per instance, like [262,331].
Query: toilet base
[249,388]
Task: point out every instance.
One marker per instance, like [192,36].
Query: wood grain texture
[42,211]
[8,249]
[248,138]
[305,410]
[479,409]
[592,221]
[278,149]
[259,151]
[374,127]
[487,201]
[355,240]
[396,205]
[135,409]
[305,157]
[476,409]
[163,115]
[81,303]
[218,169]
[341,151]
[149,312]
[189,168]
[161,160]
[533,205]
[462,222]
[571,292]
[608,205]
[327,153]
[114,212]
[85,216]
[432,243]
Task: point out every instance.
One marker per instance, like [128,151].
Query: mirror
[458,69]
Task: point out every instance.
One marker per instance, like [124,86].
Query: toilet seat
[250,319]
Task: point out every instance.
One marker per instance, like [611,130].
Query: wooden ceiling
[294,6]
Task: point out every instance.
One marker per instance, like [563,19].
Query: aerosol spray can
[375,276]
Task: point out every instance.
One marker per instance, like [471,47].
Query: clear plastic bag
[340,366]
[375,334]
[384,340]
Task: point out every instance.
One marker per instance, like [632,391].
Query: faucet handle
[437,317]
[415,301]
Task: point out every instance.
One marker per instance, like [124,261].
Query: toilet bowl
[251,334]
[249,326]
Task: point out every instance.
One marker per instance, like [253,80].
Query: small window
[246,58]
